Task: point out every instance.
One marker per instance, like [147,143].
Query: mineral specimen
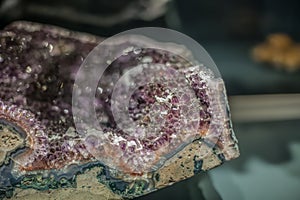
[42,148]
[278,50]
[99,13]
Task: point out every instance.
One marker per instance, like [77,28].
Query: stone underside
[9,141]
[39,147]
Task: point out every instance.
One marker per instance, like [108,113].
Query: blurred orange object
[278,50]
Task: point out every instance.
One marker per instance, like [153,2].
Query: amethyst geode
[41,148]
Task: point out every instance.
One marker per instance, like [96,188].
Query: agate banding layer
[47,150]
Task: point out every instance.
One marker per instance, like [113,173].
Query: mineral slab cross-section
[41,149]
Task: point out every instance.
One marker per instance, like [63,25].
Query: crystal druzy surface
[40,147]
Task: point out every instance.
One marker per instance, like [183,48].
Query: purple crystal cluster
[166,112]
[38,66]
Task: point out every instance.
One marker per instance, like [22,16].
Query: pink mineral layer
[38,137]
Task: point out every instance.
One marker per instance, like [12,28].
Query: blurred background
[257,66]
